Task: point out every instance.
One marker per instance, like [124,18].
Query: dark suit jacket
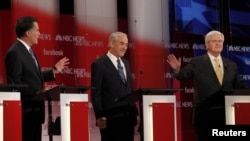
[209,104]
[108,87]
[21,69]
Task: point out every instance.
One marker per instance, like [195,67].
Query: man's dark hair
[24,24]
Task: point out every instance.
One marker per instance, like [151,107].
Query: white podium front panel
[147,113]
[229,105]
[65,99]
[6,96]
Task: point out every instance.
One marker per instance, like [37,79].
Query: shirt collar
[212,57]
[26,45]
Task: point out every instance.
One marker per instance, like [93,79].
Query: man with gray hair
[111,80]
[211,74]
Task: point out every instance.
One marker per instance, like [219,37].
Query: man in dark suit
[111,80]
[22,67]
[209,104]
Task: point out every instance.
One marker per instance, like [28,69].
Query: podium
[73,112]
[10,112]
[237,102]
[157,113]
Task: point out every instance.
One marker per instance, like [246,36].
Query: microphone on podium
[9,80]
[11,86]
[140,79]
[76,81]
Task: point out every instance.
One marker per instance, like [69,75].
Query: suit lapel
[225,69]
[112,68]
[30,59]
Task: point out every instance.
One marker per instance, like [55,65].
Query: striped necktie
[120,70]
[33,56]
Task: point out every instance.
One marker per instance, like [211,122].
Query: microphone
[140,80]
[9,80]
[225,66]
[11,84]
[141,72]
[72,78]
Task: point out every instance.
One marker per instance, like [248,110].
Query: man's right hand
[101,122]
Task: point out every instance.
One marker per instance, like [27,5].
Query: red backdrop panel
[163,122]
[79,121]
[242,116]
[12,117]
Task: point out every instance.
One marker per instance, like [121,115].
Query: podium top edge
[236,91]
[160,89]
[227,90]
[72,88]
[13,85]
[157,91]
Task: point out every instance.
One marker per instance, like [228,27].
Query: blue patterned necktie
[120,70]
[33,56]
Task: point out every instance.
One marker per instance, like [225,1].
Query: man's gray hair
[212,33]
[114,36]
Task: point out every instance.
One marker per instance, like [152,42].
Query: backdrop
[79,30]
